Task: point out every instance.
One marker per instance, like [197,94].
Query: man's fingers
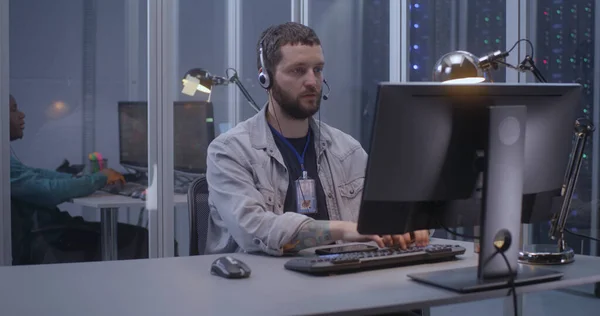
[422,237]
[387,240]
[397,239]
[401,241]
[408,238]
[378,240]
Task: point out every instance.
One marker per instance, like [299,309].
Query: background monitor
[193,130]
[133,134]
[432,143]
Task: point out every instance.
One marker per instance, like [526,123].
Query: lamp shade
[198,79]
[458,67]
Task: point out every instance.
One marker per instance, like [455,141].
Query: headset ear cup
[264,80]
[264,77]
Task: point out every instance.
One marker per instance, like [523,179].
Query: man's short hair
[274,37]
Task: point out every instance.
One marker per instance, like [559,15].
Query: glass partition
[565,37]
[77,73]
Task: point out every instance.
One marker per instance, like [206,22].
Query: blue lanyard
[285,141]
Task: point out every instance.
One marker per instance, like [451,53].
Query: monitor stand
[501,213]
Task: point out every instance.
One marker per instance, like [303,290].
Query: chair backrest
[199,213]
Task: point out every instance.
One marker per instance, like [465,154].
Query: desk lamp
[198,79]
[458,67]
[464,67]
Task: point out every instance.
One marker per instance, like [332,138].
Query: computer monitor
[193,130]
[133,134]
[432,142]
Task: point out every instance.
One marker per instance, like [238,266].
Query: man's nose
[312,79]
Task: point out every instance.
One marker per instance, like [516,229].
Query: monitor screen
[133,134]
[193,130]
[430,145]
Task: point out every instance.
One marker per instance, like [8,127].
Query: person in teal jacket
[48,188]
[35,195]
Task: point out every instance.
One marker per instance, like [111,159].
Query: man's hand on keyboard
[347,231]
[113,176]
[420,238]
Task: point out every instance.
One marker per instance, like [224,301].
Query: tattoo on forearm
[310,235]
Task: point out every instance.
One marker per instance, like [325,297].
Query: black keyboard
[124,189]
[369,260]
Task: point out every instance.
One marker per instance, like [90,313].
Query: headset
[264,77]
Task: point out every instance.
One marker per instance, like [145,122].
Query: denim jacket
[248,181]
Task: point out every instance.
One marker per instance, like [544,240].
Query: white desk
[184,286]
[109,205]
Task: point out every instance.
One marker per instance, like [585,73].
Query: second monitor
[193,130]
[432,143]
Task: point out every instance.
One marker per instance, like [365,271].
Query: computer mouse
[136,194]
[230,268]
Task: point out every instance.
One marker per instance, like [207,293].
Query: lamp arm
[235,79]
[528,64]
[583,129]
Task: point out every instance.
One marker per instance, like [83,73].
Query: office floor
[572,301]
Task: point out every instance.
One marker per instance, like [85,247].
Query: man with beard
[282,181]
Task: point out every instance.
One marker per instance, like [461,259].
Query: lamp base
[546,254]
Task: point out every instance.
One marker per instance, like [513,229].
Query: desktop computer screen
[193,130]
[431,144]
[133,134]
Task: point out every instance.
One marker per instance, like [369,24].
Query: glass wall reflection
[356,48]
[198,119]
[563,35]
[438,27]
[76,70]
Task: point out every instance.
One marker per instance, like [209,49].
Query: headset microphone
[326,96]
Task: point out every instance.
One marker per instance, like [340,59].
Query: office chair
[199,213]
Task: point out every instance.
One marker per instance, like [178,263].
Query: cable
[230,69]
[455,233]
[582,236]
[511,280]
[522,40]
[511,283]
[236,80]
[507,64]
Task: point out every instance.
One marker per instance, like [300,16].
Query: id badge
[306,202]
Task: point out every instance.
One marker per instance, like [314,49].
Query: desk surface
[184,286]
[102,199]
